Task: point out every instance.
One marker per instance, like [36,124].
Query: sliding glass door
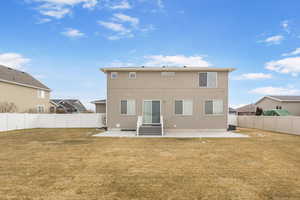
[151,112]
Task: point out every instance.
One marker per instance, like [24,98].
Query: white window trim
[213,114]
[130,74]
[111,75]
[38,106]
[207,81]
[126,108]
[183,100]
[160,105]
[41,94]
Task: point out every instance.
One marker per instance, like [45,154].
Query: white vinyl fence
[14,121]
[232,119]
[286,124]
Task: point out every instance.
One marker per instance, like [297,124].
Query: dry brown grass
[56,164]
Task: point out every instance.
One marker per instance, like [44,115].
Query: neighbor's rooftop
[18,77]
[281,98]
[167,69]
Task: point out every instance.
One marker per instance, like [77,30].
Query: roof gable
[281,98]
[14,76]
[73,105]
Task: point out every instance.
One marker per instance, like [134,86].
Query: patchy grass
[55,164]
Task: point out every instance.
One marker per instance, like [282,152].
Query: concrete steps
[150,130]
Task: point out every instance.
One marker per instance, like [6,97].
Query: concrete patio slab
[132,134]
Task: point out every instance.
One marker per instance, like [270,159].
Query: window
[114,75]
[132,75]
[40,108]
[183,107]
[167,73]
[41,94]
[208,79]
[214,107]
[127,107]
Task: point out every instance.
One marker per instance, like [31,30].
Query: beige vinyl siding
[25,98]
[152,85]
[268,104]
[101,108]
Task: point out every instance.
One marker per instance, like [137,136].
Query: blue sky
[65,42]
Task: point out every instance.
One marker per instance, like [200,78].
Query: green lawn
[44,164]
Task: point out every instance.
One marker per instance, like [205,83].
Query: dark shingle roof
[231,110]
[70,105]
[19,77]
[286,98]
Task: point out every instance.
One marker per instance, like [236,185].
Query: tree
[6,107]
[259,111]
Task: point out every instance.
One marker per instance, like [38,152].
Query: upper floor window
[214,107]
[208,79]
[128,107]
[114,75]
[41,94]
[183,107]
[132,75]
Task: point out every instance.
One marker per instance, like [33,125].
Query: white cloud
[114,37]
[121,5]
[275,91]
[276,39]
[43,20]
[114,27]
[126,18]
[160,4]
[60,8]
[73,33]
[177,60]
[253,76]
[289,65]
[285,25]
[56,12]
[148,28]
[13,60]
[90,4]
[293,53]
[120,29]
[85,3]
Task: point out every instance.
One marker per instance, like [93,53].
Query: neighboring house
[181,98]
[249,109]
[232,111]
[289,103]
[100,105]
[67,106]
[20,89]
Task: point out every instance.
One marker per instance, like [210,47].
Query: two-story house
[22,92]
[157,99]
